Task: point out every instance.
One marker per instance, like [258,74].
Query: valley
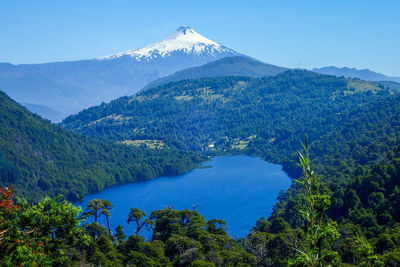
[255,164]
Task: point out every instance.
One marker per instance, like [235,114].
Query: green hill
[229,66]
[256,116]
[354,130]
[391,85]
[40,158]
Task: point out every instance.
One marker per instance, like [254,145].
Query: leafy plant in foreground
[312,209]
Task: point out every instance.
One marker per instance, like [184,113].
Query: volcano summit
[68,87]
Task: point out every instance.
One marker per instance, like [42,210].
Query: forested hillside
[40,158]
[265,117]
[348,215]
[229,66]
[363,208]
[362,228]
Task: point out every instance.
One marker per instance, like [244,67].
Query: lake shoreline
[220,182]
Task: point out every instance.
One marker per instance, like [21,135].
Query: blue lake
[237,189]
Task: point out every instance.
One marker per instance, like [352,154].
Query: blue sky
[298,33]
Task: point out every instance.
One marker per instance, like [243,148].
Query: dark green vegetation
[362,229]
[229,66]
[391,85]
[49,234]
[354,126]
[348,215]
[363,209]
[40,158]
[257,116]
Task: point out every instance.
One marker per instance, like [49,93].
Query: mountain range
[364,74]
[68,87]
[56,90]
[199,99]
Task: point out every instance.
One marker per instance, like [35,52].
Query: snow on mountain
[185,40]
[71,86]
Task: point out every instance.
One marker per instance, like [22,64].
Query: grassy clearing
[241,144]
[355,86]
[154,144]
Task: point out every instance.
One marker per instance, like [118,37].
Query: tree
[216,226]
[137,216]
[94,208]
[45,234]
[119,233]
[107,206]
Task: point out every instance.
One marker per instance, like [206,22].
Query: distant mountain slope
[391,85]
[365,74]
[49,113]
[72,86]
[41,159]
[228,66]
[256,116]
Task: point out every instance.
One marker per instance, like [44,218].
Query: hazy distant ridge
[364,74]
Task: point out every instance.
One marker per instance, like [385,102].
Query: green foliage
[94,208]
[119,233]
[312,209]
[365,208]
[46,234]
[273,249]
[351,215]
[189,239]
[40,158]
[228,66]
[51,234]
[137,216]
[367,234]
[351,122]
[107,206]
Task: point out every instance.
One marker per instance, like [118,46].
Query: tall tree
[94,208]
[137,216]
[107,206]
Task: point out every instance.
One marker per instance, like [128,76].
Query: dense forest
[40,158]
[365,208]
[342,209]
[357,224]
[354,127]
[257,116]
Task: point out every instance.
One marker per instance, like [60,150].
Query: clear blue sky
[298,33]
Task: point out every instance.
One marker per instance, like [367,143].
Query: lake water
[237,189]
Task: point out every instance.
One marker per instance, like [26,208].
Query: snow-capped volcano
[184,39]
[69,87]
